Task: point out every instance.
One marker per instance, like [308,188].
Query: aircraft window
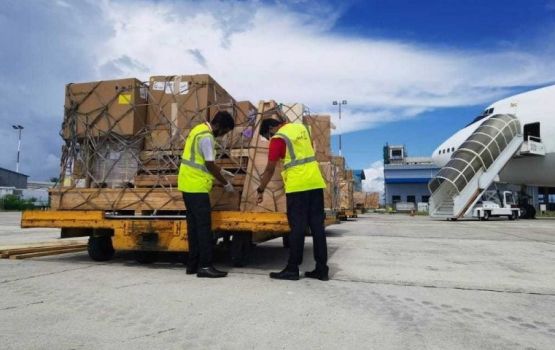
[486,113]
[452,149]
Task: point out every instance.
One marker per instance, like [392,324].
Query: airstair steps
[474,166]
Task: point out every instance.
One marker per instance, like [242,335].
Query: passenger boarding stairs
[474,166]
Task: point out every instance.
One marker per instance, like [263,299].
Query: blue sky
[412,71]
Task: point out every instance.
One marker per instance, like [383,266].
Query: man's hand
[226,173]
[229,188]
[260,195]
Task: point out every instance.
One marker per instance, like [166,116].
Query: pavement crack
[21,306]
[154,334]
[46,274]
[422,285]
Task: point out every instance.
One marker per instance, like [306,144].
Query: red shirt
[277,149]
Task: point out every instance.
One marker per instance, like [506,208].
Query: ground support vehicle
[149,234]
[492,208]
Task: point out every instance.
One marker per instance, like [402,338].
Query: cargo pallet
[109,232]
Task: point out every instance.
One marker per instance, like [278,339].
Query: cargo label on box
[125,99]
[168,87]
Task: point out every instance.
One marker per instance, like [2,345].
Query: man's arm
[207,149]
[215,171]
[266,177]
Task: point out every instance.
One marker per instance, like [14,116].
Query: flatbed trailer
[109,232]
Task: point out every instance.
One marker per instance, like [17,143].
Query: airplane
[528,162]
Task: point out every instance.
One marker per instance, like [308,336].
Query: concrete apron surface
[398,282]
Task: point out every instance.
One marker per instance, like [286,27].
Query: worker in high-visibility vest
[196,174]
[304,191]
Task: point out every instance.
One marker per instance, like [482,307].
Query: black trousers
[306,209]
[199,229]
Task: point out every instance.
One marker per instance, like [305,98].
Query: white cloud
[276,53]
[374,178]
[256,50]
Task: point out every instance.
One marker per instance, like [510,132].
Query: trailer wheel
[486,215]
[241,246]
[145,257]
[100,248]
[514,215]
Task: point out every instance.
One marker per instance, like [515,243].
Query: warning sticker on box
[125,99]
[169,87]
[159,85]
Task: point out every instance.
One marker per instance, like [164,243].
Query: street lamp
[19,128]
[339,103]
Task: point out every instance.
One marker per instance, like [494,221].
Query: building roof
[12,172]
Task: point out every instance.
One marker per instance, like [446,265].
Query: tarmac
[397,282]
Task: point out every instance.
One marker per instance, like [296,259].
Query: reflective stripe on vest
[294,161]
[191,161]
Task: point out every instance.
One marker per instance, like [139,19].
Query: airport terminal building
[406,178]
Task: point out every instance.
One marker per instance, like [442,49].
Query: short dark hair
[267,124]
[224,120]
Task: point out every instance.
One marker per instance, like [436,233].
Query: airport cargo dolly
[110,232]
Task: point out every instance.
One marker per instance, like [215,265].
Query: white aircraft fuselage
[536,106]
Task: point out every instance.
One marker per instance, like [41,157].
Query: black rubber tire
[145,257]
[100,248]
[486,215]
[513,216]
[285,239]
[241,247]
[532,211]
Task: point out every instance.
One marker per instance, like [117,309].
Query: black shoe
[191,270]
[285,275]
[321,275]
[210,272]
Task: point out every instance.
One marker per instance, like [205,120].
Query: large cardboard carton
[105,107]
[244,113]
[320,130]
[183,101]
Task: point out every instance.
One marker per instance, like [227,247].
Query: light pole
[339,103]
[18,128]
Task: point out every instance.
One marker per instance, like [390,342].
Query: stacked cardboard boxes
[124,139]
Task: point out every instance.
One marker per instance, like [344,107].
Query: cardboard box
[163,139]
[185,101]
[244,112]
[320,130]
[103,107]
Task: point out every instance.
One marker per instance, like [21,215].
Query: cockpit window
[486,113]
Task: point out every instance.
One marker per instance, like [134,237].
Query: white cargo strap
[191,161]
[294,161]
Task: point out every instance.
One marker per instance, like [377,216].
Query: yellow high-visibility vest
[193,176]
[300,168]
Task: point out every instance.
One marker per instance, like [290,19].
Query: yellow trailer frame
[158,233]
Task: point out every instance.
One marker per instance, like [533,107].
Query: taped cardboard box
[330,193]
[100,108]
[346,195]
[339,162]
[274,195]
[244,113]
[366,200]
[185,101]
[320,130]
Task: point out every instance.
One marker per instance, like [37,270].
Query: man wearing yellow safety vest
[196,174]
[304,190]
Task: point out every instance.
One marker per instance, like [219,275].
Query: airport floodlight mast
[339,103]
[18,128]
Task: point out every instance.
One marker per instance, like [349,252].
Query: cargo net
[124,140]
